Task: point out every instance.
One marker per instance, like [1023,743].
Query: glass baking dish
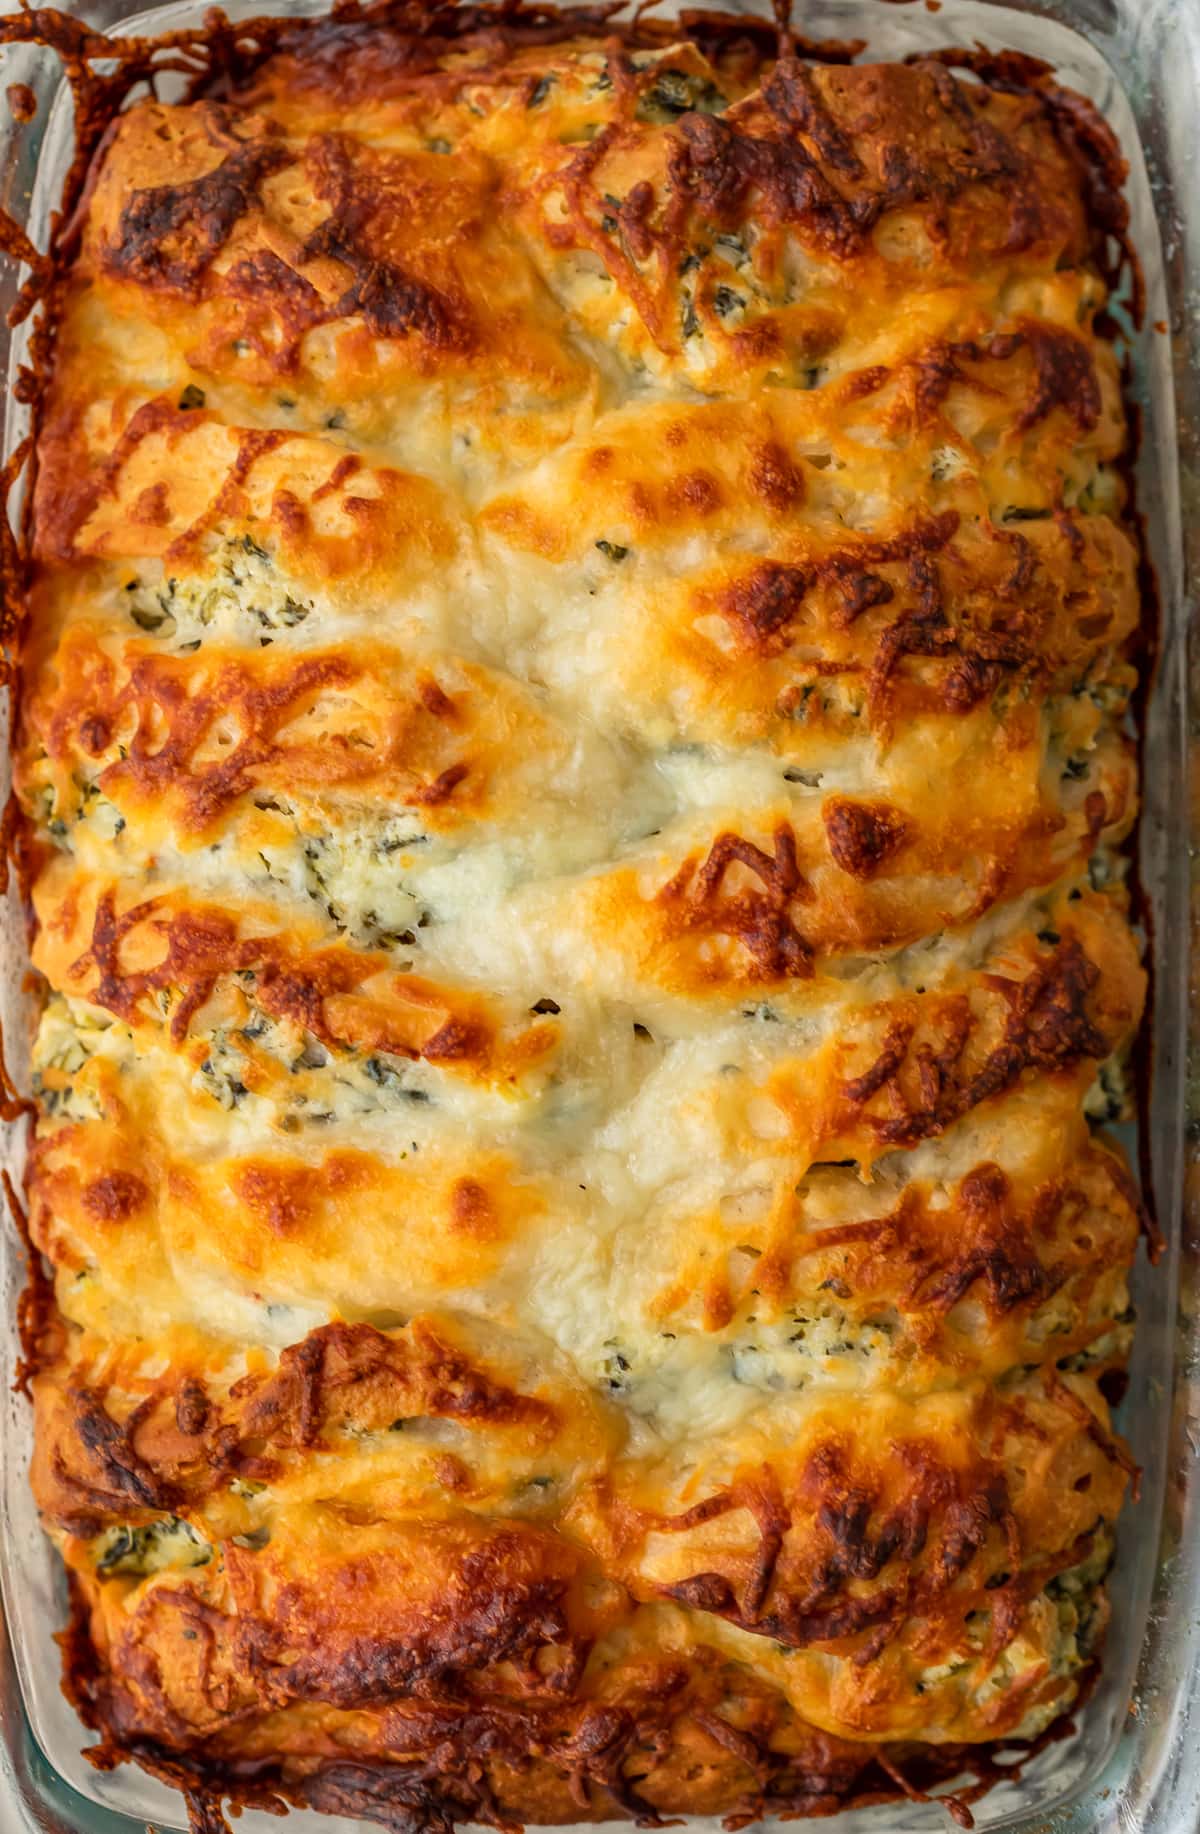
[1133,1761]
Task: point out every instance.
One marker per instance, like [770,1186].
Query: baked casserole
[573,759]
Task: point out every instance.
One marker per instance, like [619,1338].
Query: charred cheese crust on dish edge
[573,750]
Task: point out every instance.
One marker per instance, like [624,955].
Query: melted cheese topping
[574,733]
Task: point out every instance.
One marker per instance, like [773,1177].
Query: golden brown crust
[572,746]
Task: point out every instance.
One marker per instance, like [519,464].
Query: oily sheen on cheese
[574,752]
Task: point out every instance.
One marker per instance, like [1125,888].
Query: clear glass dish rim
[1151,1777]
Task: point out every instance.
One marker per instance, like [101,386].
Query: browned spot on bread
[860,1089]
[862,835]
[696,491]
[765,604]
[1002,1257]
[758,915]
[471,1209]
[95,1473]
[169,235]
[434,699]
[153,506]
[632,214]
[278,1196]
[192,1409]
[443,786]
[115,1197]
[393,302]
[265,276]
[775,478]
[1047,1027]
[791,94]
[1064,376]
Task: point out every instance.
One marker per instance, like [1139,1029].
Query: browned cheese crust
[573,746]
